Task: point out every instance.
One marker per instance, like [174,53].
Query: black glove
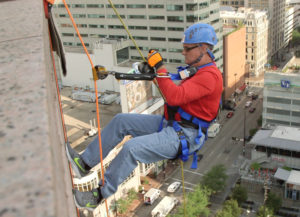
[144,68]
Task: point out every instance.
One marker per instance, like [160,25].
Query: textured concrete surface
[35,179]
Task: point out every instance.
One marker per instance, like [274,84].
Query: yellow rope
[132,39]
[125,27]
[183,189]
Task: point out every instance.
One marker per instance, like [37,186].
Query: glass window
[136,58]
[204,16]
[174,50]
[79,15]
[174,39]
[153,17]
[96,16]
[82,25]
[115,27]
[191,7]
[116,6]
[137,17]
[159,28]
[64,15]
[174,7]
[297,114]
[138,27]
[113,16]
[203,5]
[296,102]
[122,55]
[157,39]
[278,100]
[156,6]
[136,6]
[67,34]
[95,5]
[96,26]
[175,18]
[175,61]
[271,121]
[191,18]
[140,38]
[78,6]
[118,37]
[179,29]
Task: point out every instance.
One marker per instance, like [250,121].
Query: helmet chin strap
[201,56]
[196,60]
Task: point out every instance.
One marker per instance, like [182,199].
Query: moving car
[229,115]
[248,104]
[173,187]
[251,110]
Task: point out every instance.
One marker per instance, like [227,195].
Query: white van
[151,196]
[213,130]
[164,207]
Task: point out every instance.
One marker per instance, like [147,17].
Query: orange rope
[96,94]
[60,107]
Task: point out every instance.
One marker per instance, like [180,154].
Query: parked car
[229,114]
[251,110]
[173,187]
[248,104]
[254,96]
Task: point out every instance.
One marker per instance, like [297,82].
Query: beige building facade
[234,60]
[256,23]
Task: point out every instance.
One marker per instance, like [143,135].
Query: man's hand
[144,68]
[154,59]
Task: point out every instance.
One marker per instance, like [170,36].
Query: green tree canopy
[264,212]
[296,37]
[196,203]
[273,202]
[215,179]
[230,209]
[240,194]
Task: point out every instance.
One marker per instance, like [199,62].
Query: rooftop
[282,137]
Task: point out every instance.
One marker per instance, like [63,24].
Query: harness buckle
[180,134]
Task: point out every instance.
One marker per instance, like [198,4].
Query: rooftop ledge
[35,178]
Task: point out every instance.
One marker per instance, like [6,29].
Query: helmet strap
[197,60]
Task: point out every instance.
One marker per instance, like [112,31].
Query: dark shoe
[78,166]
[87,200]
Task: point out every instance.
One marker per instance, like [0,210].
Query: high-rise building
[152,24]
[236,4]
[256,23]
[281,105]
[276,9]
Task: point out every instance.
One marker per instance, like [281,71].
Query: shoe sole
[73,164]
[82,207]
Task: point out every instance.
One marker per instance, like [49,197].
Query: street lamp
[235,74]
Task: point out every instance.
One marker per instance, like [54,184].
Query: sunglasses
[187,49]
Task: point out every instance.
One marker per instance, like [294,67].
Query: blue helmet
[200,33]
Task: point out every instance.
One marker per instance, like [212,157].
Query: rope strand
[96,95]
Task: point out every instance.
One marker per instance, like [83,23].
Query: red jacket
[199,95]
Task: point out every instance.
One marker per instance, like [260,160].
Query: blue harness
[196,122]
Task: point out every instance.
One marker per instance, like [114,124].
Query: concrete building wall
[152,24]
[35,177]
[281,105]
[234,60]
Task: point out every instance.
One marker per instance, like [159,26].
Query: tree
[295,37]
[264,212]
[240,194]
[273,202]
[196,203]
[215,179]
[230,209]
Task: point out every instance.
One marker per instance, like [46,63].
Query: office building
[281,103]
[152,24]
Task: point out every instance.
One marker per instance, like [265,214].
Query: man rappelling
[190,107]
